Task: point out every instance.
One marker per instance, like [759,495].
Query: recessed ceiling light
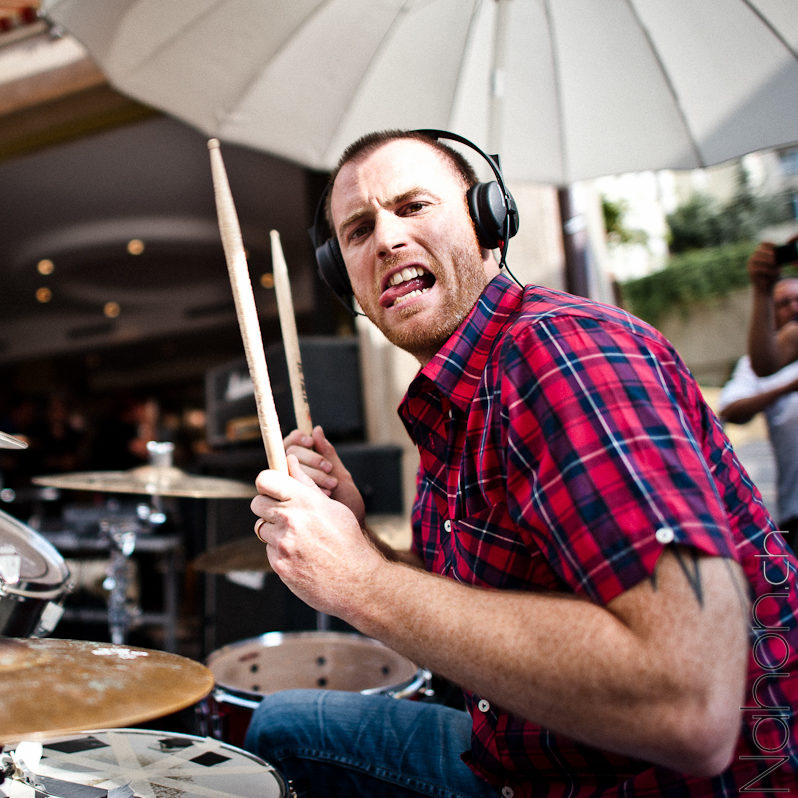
[267,280]
[43,294]
[135,246]
[111,310]
[45,266]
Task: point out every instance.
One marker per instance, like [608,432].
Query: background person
[768,348]
[586,544]
[746,394]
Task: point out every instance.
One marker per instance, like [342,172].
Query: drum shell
[250,669]
[31,606]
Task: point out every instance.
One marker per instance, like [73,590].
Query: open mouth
[410,282]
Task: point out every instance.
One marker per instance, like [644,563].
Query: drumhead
[151,763]
[276,661]
[41,566]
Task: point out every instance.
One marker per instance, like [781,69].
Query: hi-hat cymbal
[52,687]
[249,553]
[10,442]
[152,480]
[246,554]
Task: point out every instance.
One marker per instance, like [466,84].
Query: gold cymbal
[152,480]
[52,687]
[246,554]
[10,442]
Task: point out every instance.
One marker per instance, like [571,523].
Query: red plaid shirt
[558,439]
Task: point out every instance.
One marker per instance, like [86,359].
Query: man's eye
[413,207]
[359,232]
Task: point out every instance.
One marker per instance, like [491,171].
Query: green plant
[689,277]
[617,233]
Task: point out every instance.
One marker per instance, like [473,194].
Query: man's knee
[275,720]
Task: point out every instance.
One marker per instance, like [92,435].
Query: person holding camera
[775,395]
[770,347]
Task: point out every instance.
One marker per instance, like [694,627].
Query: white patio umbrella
[565,90]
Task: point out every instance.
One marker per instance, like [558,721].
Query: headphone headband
[491,206]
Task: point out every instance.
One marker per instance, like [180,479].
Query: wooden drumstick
[246,311]
[285,308]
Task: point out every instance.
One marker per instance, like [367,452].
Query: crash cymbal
[10,442]
[154,480]
[51,686]
[246,554]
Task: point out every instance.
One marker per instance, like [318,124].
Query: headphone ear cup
[489,210]
[331,268]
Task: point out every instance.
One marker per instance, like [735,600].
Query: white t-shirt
[782,421]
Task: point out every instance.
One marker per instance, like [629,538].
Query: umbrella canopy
[565,90]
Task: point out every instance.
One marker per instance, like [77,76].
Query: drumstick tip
[213,144]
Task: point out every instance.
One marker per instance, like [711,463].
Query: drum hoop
[227,695]
[49,554]
[44,595]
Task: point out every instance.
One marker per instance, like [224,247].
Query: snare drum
[246,671]
[34,579]
[150,763]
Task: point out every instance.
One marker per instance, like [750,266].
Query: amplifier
[331,369]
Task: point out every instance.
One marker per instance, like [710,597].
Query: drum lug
[49,619]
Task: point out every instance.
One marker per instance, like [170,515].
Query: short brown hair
[372,141]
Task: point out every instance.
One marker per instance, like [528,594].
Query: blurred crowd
[66,435]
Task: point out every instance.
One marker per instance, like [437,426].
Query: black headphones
[491,206]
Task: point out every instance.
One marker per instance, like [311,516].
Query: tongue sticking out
[395,293]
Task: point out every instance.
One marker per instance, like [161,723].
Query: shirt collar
[457,366]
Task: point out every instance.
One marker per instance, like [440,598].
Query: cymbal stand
[121,534]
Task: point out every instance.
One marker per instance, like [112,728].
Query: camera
[787,253]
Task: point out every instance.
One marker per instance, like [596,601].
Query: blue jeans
[330,743]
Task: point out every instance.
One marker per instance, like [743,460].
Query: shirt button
[507,792]
[483,705]
[664,535]
[447,525]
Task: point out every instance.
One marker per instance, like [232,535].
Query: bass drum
[34,580]
[248,670]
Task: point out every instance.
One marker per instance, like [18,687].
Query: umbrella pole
[574,235]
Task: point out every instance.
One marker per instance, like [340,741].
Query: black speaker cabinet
[331,369]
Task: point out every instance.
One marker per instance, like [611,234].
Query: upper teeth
[406,274]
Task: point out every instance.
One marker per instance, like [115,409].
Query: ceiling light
[267,280]
[45,266]
[135,246]
[111,310]
[43,295]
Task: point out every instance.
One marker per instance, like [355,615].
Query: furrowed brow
[391,202]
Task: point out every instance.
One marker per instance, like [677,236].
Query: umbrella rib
[766,22]
[463,57]
[669,83]
[378,48]
[246,86]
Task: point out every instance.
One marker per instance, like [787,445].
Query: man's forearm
[762,345]
[659,677]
